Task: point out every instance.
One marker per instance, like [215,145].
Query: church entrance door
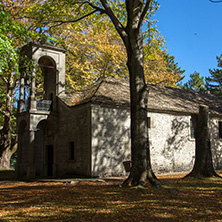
[49,159]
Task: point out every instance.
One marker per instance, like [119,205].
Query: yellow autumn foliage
[98,52]
[94,49]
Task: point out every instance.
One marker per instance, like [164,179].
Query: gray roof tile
[115,92]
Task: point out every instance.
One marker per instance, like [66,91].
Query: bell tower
[51,60]
[36,110]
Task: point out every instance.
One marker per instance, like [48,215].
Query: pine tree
[214,83]
[172,66]
[195,83]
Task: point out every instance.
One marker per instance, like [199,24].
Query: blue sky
[193,33]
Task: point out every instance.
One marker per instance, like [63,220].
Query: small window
[71,150]
[149,122]
[192,136]
[220,129]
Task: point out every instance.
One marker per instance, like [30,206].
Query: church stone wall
[171,146]
[74,127]
[110,140]
[216,143]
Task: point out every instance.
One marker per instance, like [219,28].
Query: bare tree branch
[118,25]
[146,8]
[136,11]
[5,79]
[215,1]
[60,22]
[96,9]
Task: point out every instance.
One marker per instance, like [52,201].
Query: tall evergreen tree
[172,66]
[214,82]
[195,83]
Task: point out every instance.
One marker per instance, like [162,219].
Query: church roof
[115,92]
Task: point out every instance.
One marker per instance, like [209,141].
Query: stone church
[87,132]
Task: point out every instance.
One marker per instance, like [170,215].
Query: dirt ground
[100,200]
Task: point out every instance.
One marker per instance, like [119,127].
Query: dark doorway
[49,159]
[51,98]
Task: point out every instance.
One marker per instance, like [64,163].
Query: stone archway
[51,60]
[22,157]
[44,150]
[49,72]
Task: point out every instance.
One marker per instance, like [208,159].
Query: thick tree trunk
[5,132]
[131,35]
[203,166]
[5,143]
[141,167]
[5,158]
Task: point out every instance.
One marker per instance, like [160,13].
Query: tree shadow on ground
[181,200]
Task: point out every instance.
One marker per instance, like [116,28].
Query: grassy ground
[179,200]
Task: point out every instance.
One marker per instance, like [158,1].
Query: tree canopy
[8,82]
[94,49]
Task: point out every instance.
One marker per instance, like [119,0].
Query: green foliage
[8,56]
[172,66]
[214,82]
[94,49]
[8,66]
[196,83]
[12,29]
[10,33]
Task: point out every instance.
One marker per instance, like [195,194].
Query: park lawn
[179,200]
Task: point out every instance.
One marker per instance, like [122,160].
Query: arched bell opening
[47,86]
[43,77]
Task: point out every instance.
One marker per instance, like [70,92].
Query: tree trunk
[5,158]
[6,149]
[141,166]
[203,166]
[5,144]
[132,37]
